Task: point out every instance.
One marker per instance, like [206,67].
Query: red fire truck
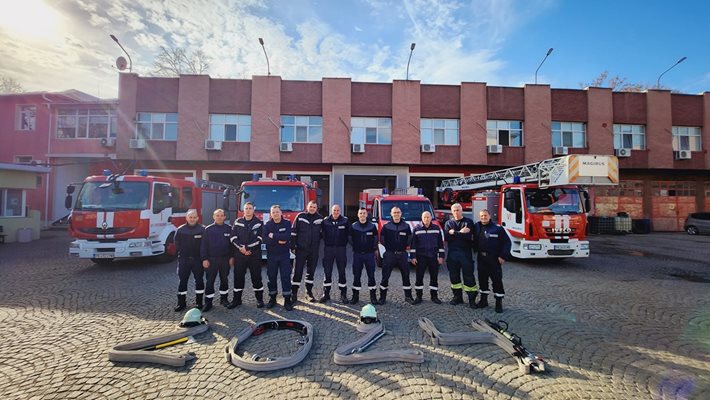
[542,206]
[129,216]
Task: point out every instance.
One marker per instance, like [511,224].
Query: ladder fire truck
[543,206]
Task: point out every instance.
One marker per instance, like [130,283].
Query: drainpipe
[49,151]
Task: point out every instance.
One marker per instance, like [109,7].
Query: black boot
[458,297]
[272,301]
[309,292]
[472,299]
[259,294]
[373,296]
[483,303]
[288,305]
[236,300]
[223,299]
[182,303]
[499,304]
[418,299]
[344,295]
[326,295]
[208,304]
[435,296]
[408,296]
[294,293]
[356,297]
[198,300]
[383,296]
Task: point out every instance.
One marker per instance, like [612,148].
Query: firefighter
[277,237]
[395,237]
[216,254]
[427,252]
[305,240]
[246,238]
[363,234]
[336,231]
[187,242]
[459,237]
[493,246]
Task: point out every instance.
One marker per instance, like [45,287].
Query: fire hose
[354,353]
[489,332]
[259,363]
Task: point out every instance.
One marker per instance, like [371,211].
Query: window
[568,134]
[439,131]
[629,137]
[230,127]
[25,118]
[12,203]
[506,133]
[300,129]
[673,189]
[624,188]
[161,197]
[371,131]
[23,159]
[686,138]
[156,126]
[86,124]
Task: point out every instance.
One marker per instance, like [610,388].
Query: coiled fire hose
[258,363]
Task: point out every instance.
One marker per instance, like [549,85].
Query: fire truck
[543,206]
[119,216]
[379,203]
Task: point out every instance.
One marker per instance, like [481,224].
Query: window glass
[12,203]
[439,131]
[229,127]
[506,133]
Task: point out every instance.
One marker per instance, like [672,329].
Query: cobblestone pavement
[630,322]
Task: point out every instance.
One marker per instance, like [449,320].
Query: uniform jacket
[396,237]
[491,241]
[427,241]
[188,240]
[248,234]
[336,231]
[307,231]
[459,241]
[282,232]
[364,237]
[215,242]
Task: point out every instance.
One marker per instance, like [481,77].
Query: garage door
[626,197]
[671,202]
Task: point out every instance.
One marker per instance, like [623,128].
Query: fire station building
[349,135]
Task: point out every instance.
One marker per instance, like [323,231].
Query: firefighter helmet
[368,314]
[193,317]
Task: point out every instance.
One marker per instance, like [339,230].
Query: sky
[56,45]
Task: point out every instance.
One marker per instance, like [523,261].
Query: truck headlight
[531,246]
[139,244]
[73,245]
[584,246]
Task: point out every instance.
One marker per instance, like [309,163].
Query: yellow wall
[18,180]
[12,224]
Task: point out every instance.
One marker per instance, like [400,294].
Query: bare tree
[617,83]
[10,85]
[176,61]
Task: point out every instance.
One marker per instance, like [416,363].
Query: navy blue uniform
[395,237]
[215,248]
[460,258]
[364,242]
[187,241]
[427,246]
[247,234]
[305,238]
[335,238]
[278,255]
[491,242]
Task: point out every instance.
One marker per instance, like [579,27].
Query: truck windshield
[553,201]
[290,198]
[119,196]
[411,210]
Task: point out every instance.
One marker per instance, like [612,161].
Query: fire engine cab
[543,206]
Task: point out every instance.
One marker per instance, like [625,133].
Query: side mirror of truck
[587,202]
[70,189]
[68,202]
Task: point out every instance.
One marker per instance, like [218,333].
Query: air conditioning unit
[358,147]
[494,148]
[136,144]
[213,144]
[623,152]
[428,148]
[108,142]
[286,147]
[560,150]
[682,155]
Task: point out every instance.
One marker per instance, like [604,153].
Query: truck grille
[107,231]
[560,252]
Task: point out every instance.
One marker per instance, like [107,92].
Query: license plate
[263,247]
[561,247]
[103,255]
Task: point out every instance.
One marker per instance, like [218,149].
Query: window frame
[313,126]
[494,127]
[382,127]
[155,118]
[681,131]
[428,127]
[85,113]
[572,131]
[20,111]
[238,119]
[632,130]
[3,203]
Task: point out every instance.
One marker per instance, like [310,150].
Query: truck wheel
[692,230]
[102,261]
[170,251]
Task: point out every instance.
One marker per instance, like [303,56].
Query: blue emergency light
[516,179]
[143,172]
[292,177]
[107,172]
[255,177]
[420,191]
[385,191]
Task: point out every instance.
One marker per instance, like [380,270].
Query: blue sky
[63,44]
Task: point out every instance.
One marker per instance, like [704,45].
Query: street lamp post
[268,68]
[542,62]
[658,82]
[411,50]
[130,62]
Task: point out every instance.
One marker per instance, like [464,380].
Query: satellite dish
[121,63]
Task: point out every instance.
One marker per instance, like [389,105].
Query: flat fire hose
[492,333]
[354,353]
[138,350]
[258,363]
